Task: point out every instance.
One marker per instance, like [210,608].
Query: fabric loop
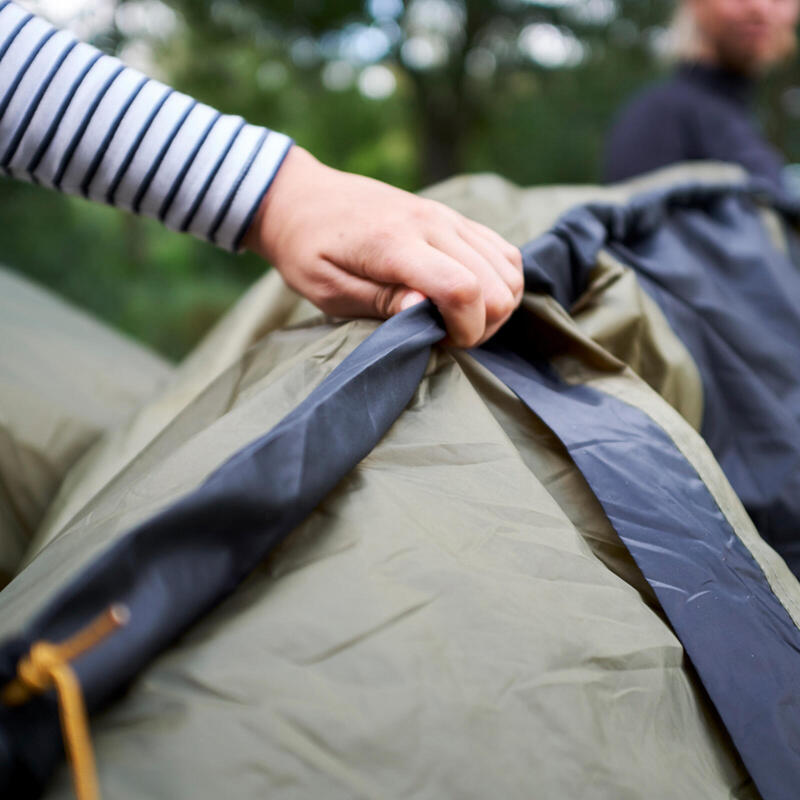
[47,666]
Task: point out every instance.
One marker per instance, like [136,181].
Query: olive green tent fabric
[443,625]
[65,380]
[617,314]
[456,619]
[520,214]
[268,305]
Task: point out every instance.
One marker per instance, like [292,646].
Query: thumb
[408,298]
[390,300]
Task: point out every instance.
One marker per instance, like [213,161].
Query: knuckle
[517,284]
[500,304]
[325,294]
[383,239]
[420,213]
[424,210]
[463,292]
[515,256]
[381,254]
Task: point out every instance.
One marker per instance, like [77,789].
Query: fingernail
[412,299]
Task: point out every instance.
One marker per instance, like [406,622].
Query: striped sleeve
[82,122]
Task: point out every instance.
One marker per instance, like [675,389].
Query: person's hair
[683,36]
[685,43]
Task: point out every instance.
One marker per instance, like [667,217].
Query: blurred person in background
[704,111]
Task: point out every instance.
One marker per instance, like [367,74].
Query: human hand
[357,247]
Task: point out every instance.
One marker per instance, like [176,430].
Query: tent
[356,564]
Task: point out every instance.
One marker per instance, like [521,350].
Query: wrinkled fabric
[733,298]
[707,582]
[457,616]
[428,594]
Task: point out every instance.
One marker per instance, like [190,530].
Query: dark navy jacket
[700,113]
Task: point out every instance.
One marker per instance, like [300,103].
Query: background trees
[409,92]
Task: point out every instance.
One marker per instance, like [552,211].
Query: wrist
[269,221]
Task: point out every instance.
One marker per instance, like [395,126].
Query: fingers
[510,251]
[505,270]
[342,294]
[454,288]
[504,257]
[496,263]
[472,281]
[498,297]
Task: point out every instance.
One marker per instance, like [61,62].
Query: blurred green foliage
[483,103]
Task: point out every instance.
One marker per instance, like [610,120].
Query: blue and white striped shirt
[82,122]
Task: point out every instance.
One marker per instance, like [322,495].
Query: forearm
[80,121]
